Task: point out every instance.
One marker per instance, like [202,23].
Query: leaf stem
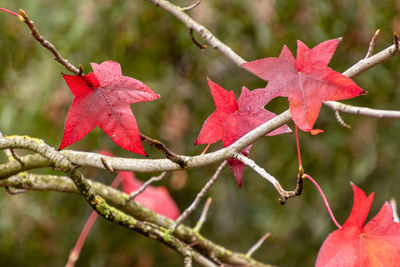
[298,148]
[324,198]
[12,13]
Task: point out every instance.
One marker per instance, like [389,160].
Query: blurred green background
[40,228]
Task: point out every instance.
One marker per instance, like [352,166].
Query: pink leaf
[306,81]
[233,119]
[375,244]
[102,99]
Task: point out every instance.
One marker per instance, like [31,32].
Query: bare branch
[117,198]
[200,29]
[49,46]
[372,43]
[249,162]
[367,63]
[148,165]
[200,195]
[258,244]
[377,113]
[146,184]
[203,216]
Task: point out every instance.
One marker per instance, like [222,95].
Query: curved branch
[149,165]
[117,198]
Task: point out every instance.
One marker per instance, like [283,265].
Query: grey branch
[249,162]
[377,113]
[144,165]
[117,198]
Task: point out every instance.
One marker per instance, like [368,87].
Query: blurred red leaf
[156,199]
[233,119]
[306,81]
[102,99]
[375,244]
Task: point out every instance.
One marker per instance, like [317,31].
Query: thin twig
[340,120]
[393,203]
[372,43]
[201,46]
[257,245]
[163,148]
[203,216]
[201,194]
[191,6]
[146,184]
[49,46]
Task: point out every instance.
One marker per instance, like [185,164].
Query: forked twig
[146,184]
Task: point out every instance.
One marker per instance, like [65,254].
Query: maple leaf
[233,119]
[154,198]
[375,244]
[102,99]
[306,80]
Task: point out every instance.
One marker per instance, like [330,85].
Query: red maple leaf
[375,244]
[233,119]
[306,81]
[102,99]
[156,199]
